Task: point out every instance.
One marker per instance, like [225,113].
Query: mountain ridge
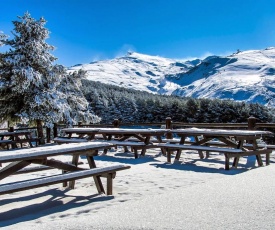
[242,76]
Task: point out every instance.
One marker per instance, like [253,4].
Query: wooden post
[48,133]
[54,130]
[168,122]
[40,133]
[11,129]
[251,124]
[116,123]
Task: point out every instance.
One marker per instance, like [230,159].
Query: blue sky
[87,30]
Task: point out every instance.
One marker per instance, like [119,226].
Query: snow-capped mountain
[243,76]
[138,71]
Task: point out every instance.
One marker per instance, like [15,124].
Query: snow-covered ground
[243,76]
[152,194]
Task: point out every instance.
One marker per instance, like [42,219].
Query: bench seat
[62,140]
[228,152]
[135,146]
[44,181]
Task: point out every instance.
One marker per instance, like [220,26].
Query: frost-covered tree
[30,82]
[71,85]
[3,37]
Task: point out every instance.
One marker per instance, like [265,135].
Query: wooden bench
[6,143]
[36,140]
[135,146]
[228,152]
[62,140]
[108,172]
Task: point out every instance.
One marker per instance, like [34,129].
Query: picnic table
[17,137]
[233,143]
[135,138]
[19,159]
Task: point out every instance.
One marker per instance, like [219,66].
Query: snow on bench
[44,181]
[52,150]
[62,140]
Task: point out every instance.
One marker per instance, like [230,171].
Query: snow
[152,194]
[50,150]
[250,71]
[136,71]
[224,131]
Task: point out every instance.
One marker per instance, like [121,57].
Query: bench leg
[110,177]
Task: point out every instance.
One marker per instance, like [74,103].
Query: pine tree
[71,85]
[3,37]
[30,81]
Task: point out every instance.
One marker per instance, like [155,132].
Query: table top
[51,150]
[114,131]
[221,132]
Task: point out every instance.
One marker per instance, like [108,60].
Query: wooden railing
[252,124]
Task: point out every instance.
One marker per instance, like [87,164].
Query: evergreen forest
[131,106]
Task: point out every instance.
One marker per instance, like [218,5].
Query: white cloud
[124,49]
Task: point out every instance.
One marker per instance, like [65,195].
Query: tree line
[112,102]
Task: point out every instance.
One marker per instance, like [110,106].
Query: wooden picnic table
[19,159]
[121,136]
[17,137]
[233,143]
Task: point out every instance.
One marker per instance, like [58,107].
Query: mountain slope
[137,71]
[244,76]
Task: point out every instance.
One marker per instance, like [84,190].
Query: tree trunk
[40,132]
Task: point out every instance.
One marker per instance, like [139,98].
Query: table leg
[226,162]
[177,158]
[12,168]
[259,160]
[239,146]
[267,161]
[236,162]
[182,140]
[97,179]
[110,177]
[74,162]
[168,155]
[146,142]
[199,151]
